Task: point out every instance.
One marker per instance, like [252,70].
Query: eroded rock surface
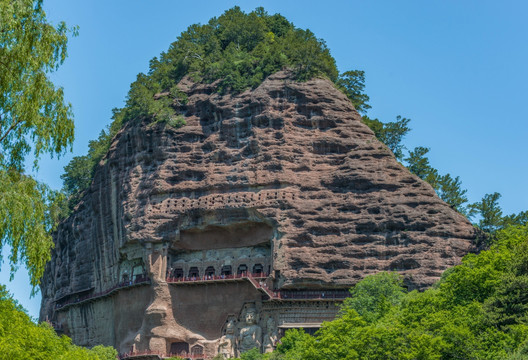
[284,179]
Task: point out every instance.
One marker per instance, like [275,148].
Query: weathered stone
[284,179]
[227,343]
[271,337]
[250,335]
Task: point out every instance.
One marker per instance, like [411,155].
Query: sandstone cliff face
[287,169]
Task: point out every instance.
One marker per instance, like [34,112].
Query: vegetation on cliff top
[239,51]
[236,49]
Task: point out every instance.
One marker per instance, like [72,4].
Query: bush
[21,338]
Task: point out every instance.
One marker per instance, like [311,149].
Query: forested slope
[479,310]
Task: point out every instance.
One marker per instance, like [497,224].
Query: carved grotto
[255,217]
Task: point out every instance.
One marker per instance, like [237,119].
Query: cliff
[284,179]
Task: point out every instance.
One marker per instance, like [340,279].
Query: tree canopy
[33,114]
[34,118]
[21,338]
[238,49]
[352,83]
[390,133]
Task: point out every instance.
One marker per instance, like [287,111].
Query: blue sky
[458,69]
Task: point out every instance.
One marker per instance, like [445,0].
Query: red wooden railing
[261,285]
[161,355]
[252,278]
[256,281]
[215,278]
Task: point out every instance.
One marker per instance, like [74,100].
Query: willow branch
[11,128]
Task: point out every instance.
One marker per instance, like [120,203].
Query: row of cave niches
[196,272]
[232,200]
[215,264]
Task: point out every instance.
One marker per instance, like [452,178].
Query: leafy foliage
[32,110]
[515,219]
[489,210]
[33,118]
[352,83]
[22,339]
[77,177]
[391,133]
[490,216]
[375,295]
[450,190]
[253,354]
[418,164]
[238,49]
[78,174]
[28,212]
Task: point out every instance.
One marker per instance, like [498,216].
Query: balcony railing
[256,280]
[160,355]
[214,278]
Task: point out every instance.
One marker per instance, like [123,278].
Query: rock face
[283,181]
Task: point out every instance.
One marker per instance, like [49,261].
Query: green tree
[33,113]
[253,354]
[375,295]
[515,219]
[521,353]
[104,352]
[391,133]
[489,212]
[77,175]
[508,306]
[297,345]
[450,190]
[21,338]
[418,164]
[352,83]
[33,118]
[27,215]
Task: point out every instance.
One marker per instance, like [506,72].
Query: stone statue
[250,336]
[226,346]
[271,337]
